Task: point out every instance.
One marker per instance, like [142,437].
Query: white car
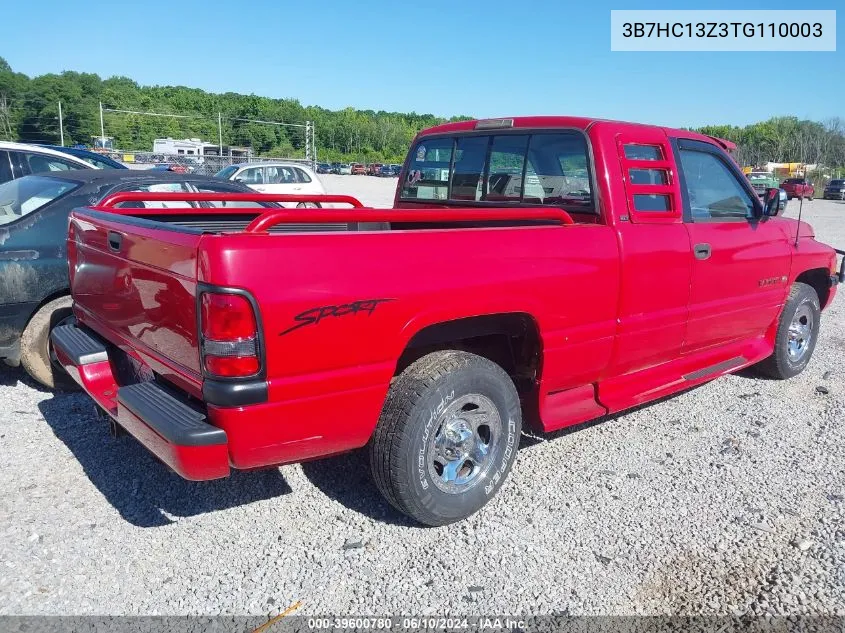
[21,159]
[284,178]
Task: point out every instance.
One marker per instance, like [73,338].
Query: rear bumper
[834,195]
[165,422]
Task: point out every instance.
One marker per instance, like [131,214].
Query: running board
[718,368]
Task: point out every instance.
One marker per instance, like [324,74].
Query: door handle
[702,251]
[115,240]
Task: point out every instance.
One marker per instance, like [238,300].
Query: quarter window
[648,176]
[651,202]
[303,177]
[643,152]
[714,192]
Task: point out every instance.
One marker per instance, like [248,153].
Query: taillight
[229,335]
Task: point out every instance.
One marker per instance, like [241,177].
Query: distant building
[196,147]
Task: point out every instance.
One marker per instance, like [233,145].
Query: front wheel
[797,333]
[308,205]
[447,437]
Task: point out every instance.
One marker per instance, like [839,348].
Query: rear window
[539,168]
[227,172]
[28,194]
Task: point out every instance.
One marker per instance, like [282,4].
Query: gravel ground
[727,499]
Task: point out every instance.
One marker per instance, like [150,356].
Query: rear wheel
[797,333]
[37,355]
[308,205]
[447,436]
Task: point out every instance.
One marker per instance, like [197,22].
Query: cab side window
[714,192]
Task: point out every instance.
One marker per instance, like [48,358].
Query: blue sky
[490,58]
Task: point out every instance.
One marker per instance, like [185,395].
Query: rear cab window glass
[470,154]
[507,161]
[533,168]
[428,173]
[28,194]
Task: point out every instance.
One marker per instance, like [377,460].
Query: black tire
[36,349]
[422,402]
[802,304]
[309,205]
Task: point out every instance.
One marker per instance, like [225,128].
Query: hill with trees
[29,113]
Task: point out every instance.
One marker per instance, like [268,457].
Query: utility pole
[308,141]
[61,126]
[220,131]
[313,147]
[102,127]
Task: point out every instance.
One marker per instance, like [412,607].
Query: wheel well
[64,292]
[510,340]
[819,279]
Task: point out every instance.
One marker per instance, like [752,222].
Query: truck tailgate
[134,281]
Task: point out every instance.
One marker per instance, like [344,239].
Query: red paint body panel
[624,311]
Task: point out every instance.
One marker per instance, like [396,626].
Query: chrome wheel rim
[463,447]
[800,333]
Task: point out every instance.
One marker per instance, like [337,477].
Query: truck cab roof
[570,122]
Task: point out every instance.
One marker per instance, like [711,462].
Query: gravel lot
[727,499]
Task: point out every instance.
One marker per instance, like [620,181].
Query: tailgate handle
[702,251]
[115,240]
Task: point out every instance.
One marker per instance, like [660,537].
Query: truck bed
[138,276]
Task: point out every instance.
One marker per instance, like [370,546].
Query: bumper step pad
[173,419]
[82,348]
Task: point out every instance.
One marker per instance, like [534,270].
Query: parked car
[277,349]
[345,169]
[276,178]
[324,168]
[835,190]
[174,167]
[34,286]
[22,159]
[98,160]
[374,169]
[763,181]
[358,169]
[798,188]
[386,171]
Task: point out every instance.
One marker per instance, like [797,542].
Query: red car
[536,272]
[358,169]
[374,169]
[798,188]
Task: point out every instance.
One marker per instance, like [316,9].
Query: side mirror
[771,202]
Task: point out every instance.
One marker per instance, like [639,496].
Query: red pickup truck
[798,188]
[541,271]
